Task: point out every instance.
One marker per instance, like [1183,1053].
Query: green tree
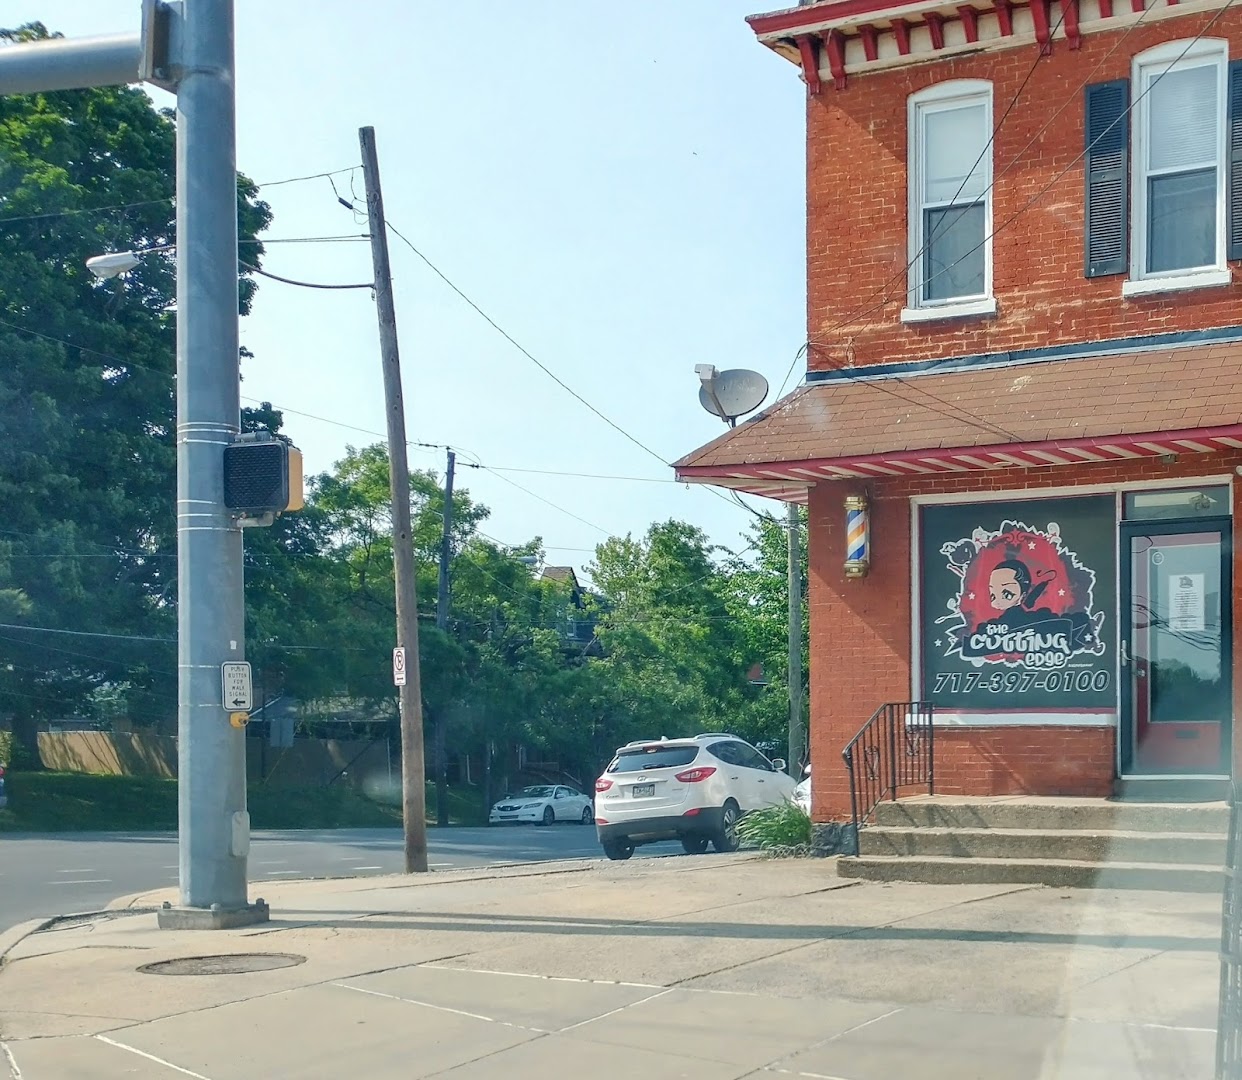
[757,596]
[87,476]
[671,644]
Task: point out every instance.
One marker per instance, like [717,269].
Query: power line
[549,502]
[340,238]
[85,210]
[311,176]
[157,202]
[86,633]
[581,475]
[523,350]
[858,314]
[513,483]
[882,293]
[1083,153]
[538,363]
[304,284]
[987,148]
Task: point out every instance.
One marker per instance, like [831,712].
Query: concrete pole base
[214,917]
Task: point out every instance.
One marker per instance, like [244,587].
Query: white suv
[692,790]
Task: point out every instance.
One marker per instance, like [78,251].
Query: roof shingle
[1125,394]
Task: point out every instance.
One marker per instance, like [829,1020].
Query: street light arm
[34,67]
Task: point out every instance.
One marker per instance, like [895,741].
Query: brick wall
[860,639]
[856,210]
[1025,761]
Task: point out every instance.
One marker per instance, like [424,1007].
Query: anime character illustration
[1024,599]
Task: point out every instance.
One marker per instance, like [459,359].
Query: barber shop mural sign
[1018,602]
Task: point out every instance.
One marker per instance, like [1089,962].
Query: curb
[124,903]
[140,902]
[15,935]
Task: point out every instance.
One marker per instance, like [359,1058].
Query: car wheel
[549,815]
[726,837]
[694,845]
[618,850]
[588,816]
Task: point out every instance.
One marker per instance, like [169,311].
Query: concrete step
[1110,846]
[1060,873]
[1097,815]
[1181,791]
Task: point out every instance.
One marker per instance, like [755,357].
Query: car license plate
[641,791]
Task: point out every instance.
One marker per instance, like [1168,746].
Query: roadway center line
[150,1057]
[83,881]
[368,868]
[86,870]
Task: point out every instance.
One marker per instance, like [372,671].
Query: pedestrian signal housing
[262,475]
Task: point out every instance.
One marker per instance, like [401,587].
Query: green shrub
[6,747]
[776,827]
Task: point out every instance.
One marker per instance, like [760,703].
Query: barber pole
[857,537]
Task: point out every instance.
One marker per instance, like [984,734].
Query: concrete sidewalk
[699,967]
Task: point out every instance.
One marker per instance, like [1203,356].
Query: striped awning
[1126,406]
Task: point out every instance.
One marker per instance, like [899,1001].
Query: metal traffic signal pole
[214,825]
[413,775]
[188,49]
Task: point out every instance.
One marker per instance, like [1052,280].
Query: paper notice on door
[1186,603]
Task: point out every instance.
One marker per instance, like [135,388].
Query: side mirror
[778,764]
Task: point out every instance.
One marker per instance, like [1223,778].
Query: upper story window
[950,212]
[1178,176]
[1158,170]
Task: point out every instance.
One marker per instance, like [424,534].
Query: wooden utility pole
[442,613]
[413,778]
[797,730]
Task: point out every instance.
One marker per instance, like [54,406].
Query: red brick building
[1024,223]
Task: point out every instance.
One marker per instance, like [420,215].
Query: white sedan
[802,795]
[544,805]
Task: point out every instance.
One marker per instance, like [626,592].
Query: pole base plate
[214,917]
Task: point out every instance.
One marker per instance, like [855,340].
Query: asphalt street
[48,874]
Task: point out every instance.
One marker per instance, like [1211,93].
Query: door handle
[1123,648]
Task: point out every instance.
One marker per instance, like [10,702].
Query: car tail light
[692,812]
[693,776]
[601,821]
[602,785]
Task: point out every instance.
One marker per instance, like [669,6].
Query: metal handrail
[877,769]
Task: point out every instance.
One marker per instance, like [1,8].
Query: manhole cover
[233,964]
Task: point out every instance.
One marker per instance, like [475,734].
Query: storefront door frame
[1129,703]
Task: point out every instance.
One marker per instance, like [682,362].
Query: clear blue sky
[620,186]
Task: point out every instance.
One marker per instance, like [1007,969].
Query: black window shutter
[1108,177]
[1234,149]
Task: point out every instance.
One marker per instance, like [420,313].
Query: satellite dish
[730,394]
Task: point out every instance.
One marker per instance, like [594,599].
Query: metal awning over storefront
[1035,415]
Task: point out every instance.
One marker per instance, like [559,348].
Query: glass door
[1176,648]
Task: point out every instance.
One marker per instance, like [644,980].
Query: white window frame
[942,96]
[1202,53]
